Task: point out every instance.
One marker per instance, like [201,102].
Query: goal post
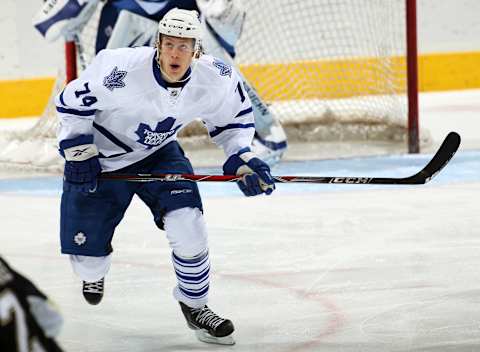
[70,61]
[412,76]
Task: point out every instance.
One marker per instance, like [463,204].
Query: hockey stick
[440,159]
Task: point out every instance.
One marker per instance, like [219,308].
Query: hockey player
[128,23]
[122,115]
[28,320]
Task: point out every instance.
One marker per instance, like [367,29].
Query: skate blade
[204,336]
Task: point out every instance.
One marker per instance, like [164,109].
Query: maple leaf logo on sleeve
[225,70]
[114,79]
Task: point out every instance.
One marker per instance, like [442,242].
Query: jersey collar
[158,76]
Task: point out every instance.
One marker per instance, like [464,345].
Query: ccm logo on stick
[350,180]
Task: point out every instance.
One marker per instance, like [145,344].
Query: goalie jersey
[131,111]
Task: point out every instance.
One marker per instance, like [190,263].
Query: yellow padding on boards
[449,71]
[26,97]
[365,76]
[325,79]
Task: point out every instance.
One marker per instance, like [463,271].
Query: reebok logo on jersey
[225,70]
[180,191]
[115,79]
[152,138]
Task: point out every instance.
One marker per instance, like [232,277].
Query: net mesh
[328,69]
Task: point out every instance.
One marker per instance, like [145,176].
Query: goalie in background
[28,320]
[129,23]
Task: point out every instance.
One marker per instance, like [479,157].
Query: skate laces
[207,317]
[93,287]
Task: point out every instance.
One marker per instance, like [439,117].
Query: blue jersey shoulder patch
[225,70]
[115,79]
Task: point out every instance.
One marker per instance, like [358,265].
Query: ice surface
[310,268]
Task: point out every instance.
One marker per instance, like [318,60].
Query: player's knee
[186,231]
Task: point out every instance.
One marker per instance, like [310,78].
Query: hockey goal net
[328,69]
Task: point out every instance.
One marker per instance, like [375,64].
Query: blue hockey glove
[81,163]
[256,173]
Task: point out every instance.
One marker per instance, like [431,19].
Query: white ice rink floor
[310,268]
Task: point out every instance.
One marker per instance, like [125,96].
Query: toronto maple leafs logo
[225,70]
[80,238]
[151,138]
[115,79]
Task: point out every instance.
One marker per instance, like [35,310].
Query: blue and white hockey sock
[193,277]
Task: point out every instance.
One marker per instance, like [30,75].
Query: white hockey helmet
[183,24]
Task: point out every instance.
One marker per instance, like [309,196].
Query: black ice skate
[93,291]
[208,326]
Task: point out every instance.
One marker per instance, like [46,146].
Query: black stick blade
[441,158]
[445,153]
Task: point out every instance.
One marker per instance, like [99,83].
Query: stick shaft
[231,178]
[438,162]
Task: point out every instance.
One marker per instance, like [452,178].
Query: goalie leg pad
[64,18]
[132,30]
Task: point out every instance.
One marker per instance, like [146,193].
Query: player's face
[176,55]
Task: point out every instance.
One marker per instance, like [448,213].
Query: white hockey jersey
[123,101]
